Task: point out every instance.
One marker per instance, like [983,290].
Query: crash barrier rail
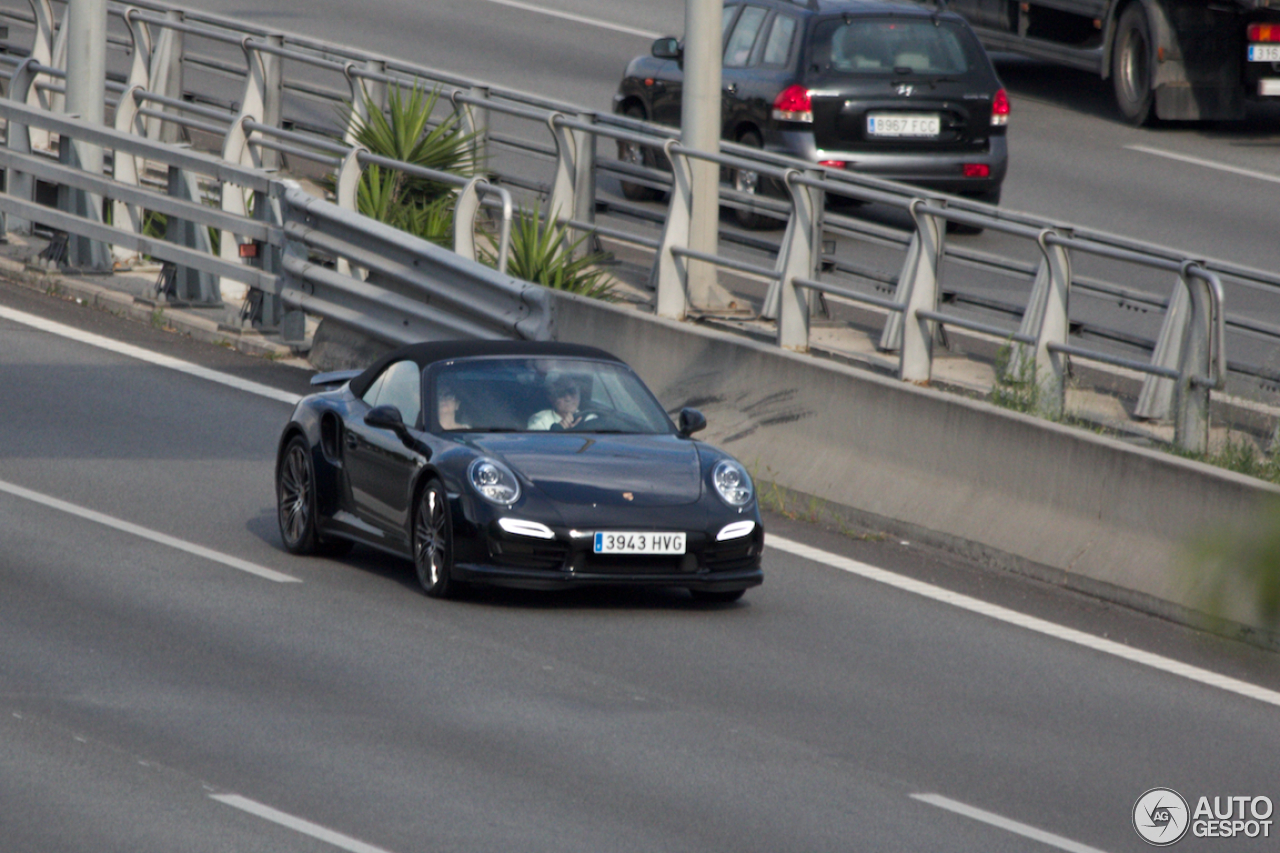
[254,135]
[310,255]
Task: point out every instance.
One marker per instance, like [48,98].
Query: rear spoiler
[336,377]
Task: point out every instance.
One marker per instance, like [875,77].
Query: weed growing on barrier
[1015,387]
[1241,456]
[544,254]
[797,507]
[157,319]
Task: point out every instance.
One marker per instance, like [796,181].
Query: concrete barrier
[1024,494]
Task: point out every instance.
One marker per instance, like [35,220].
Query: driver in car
[565,397]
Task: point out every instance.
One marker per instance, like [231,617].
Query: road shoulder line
[148,356]
[1006,824]
[146,533]
[1031,623]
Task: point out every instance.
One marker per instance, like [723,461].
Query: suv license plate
[880,124]
[1264,53]
[621,542]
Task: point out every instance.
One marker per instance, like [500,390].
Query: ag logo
[1160,816]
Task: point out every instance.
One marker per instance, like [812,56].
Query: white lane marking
[147,356]
[1208,164]
[1031,623]
[146,533]
[297,824]
[1004,823]
[578,19]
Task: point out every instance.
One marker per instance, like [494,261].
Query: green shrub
[544,255]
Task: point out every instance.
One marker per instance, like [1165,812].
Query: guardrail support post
[166,75]
[670,272]
[584,184]
[1050,366]
[801,246]
[562,201]
[1191,423]
[1158,391]
[45,51]
[475,121]
[367,96]
[18,138]
[918,288]
[188,285]
[272,96]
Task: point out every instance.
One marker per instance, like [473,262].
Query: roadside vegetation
[544,254]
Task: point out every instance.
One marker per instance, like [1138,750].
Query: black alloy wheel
[751,183]
[296,498]
[637,155]
[296,504]
[1131,65]
[433,542]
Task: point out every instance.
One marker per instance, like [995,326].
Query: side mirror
[691,421]
[385,417]
[667,48]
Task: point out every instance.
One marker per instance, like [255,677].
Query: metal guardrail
[392,286]
[1188,359]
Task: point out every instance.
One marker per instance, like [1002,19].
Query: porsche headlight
[732,483]
[494,481]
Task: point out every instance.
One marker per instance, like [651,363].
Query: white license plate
[881,124]
[622,542]
[1264,53]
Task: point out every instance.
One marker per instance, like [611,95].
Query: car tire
[433,542]
[716,596]
[638,155]
[1131,65]
[296,498]
[751,183]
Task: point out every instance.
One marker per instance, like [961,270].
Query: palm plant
[414,204]
[543,254]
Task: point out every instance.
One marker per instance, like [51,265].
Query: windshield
[543,395]
[890,46]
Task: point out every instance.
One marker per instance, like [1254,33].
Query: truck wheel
[1131,65]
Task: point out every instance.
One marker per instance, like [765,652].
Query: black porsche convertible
[524,464]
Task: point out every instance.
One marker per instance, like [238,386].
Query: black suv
[891,89]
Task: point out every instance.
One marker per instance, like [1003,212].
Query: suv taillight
[1264,32]
[1000,109]
[793,104]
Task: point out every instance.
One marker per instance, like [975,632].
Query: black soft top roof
[432,351]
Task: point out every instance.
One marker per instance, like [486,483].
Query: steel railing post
[1197,370]
[347,192]
[43,52]
[166,75]
[367,96]
[272,96]
[669,276]
[1050,366]
[189,285]
[475,121]
[125,169]
[18,138]
[1156,397]
[584,184]
[561,201]
[921,274]
[801,246]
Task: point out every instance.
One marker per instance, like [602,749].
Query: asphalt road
[155,696]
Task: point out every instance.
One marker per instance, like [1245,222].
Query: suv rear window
[887,46]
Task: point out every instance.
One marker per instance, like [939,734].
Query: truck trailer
[1177,60]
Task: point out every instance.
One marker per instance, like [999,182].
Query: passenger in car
[447,405]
